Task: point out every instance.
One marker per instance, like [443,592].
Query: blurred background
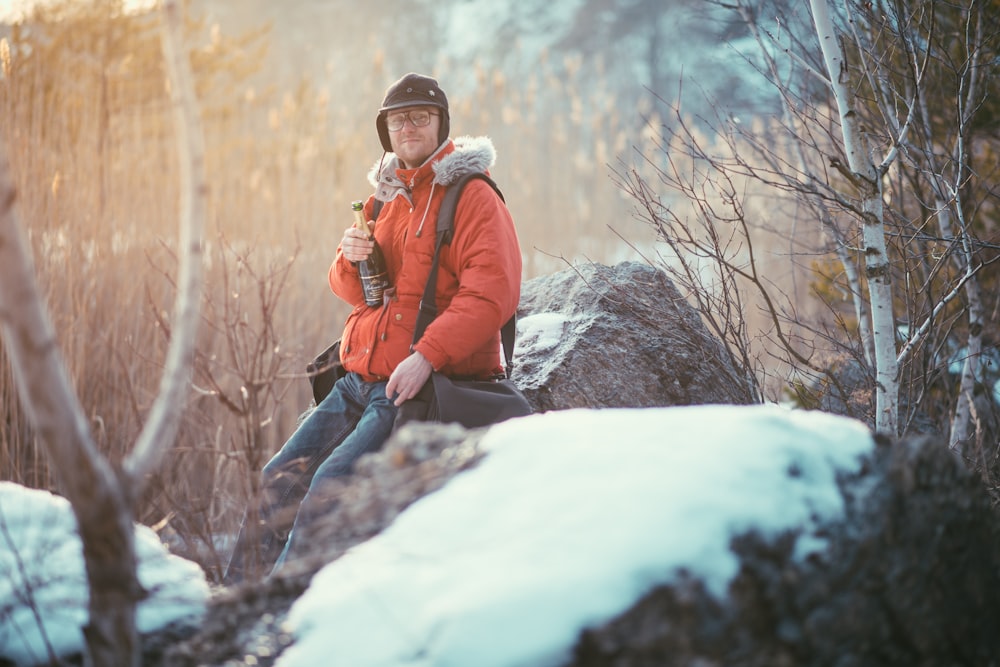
[570,91]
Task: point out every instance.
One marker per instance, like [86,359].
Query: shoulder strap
[446,215]
[445,230]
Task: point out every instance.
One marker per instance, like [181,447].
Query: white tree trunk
[851,275]
[867,180]
[161,428]
[962,156]
[101,503]
[959,433]
[962,418]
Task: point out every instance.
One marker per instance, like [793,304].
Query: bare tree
[103,498]
[878,147]
[99,497]
[251,378]
[866,178]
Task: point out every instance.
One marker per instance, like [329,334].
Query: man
[478,289]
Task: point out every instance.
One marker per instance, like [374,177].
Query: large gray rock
[597,336]
[907,579]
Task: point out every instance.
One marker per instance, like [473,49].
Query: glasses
[417,117]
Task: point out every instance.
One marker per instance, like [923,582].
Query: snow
[569,519]
[41,572]
[542,332]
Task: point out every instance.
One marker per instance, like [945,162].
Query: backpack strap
[449,205]
[445,231]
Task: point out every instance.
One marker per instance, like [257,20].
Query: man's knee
[283,473]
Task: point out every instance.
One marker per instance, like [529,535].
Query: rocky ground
[906,579]
[245,624]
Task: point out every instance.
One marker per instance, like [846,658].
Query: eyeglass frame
[406,117]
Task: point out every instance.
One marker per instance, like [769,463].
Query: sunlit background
[288,91]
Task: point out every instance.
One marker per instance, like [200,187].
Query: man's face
[412,143]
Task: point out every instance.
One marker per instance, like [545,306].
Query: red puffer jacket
[479,278]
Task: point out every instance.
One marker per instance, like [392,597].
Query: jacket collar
[452,160]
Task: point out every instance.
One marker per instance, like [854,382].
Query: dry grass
[88,131]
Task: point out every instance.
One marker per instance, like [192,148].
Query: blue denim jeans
[355,418]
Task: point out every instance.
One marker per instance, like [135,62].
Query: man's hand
[356,246]
[408,378]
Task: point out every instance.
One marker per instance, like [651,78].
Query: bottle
[374,277]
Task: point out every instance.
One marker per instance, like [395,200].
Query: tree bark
[99,500]
[161,428]
[867,180]
[102,500]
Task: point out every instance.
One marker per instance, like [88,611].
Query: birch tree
[883,142]
[915,83]
[103,498]
[866,177]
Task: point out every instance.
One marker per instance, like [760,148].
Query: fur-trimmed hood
[471,154]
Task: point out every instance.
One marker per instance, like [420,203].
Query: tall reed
[88,130]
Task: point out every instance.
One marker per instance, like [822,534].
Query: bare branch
[161,429]
[86,479]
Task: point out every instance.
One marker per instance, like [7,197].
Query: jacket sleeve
[343,274]
[488,267]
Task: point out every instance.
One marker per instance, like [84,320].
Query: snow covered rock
[569,519]
[713,535]
[43,588]
[906,578]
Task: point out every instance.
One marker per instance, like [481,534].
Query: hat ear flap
[445,127]
[383,133]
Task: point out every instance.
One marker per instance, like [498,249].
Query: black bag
[471,403]
[324,371]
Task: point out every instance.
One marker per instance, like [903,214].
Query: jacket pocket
[400,323]
[354,340]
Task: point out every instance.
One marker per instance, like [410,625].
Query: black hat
[410,91]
